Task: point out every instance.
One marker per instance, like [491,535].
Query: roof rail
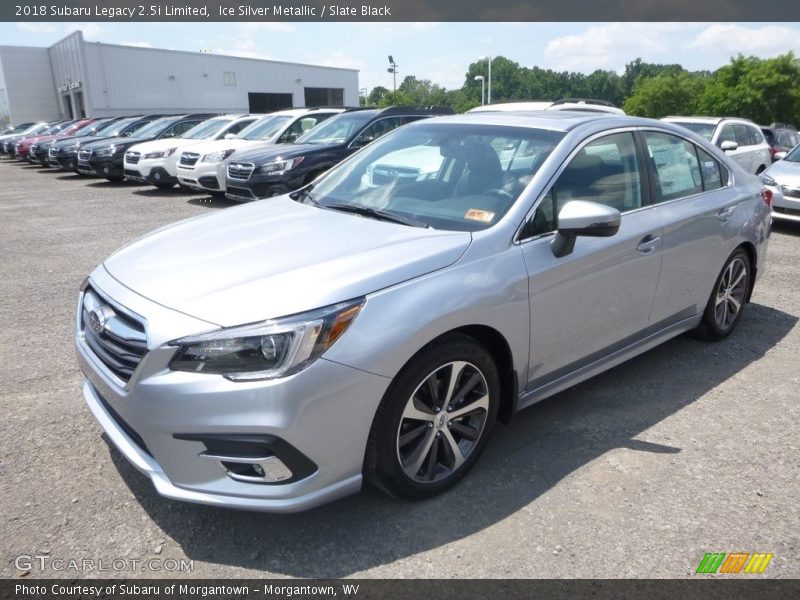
[583,101]
[418,110]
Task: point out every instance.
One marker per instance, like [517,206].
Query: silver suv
[741,139]
[378,321]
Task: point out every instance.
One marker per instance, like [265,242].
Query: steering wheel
[500,193]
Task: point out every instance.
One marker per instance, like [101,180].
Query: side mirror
[579,217]
[229,136]
[362,141]
[728,145]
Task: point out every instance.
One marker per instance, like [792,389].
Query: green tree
[665,94]
[377,94]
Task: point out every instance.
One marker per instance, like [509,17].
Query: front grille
[237,192]
[133,157]
[117,339]
[84,155]
[53,152]
[240,171]
[189,159]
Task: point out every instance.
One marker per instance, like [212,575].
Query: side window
[604,171]
[675,165]
[726,135]
[300,126]
[238,126]
[710,171]
[180,128]
[742,135]
[755,135]
[378,129]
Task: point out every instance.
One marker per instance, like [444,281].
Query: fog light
[264,469]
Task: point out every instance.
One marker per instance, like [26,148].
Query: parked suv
[156,162]
[741,139]
[63,154]
[781,138]
[272,171]
[203,167]
[35,153]
[106,158]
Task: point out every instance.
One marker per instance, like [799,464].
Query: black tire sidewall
[382,466]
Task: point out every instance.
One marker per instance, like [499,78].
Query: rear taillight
[773,151]
[766,196]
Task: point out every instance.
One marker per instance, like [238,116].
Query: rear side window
[726,135]
[711,172]
[239,125]
[180,128]
[755,135]
[675,165]
[742,134]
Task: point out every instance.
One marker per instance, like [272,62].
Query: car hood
[155,145]
[276,257]
[219,145]
[264,155]
[117,141]
[785,172]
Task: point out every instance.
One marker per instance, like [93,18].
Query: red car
[23,146]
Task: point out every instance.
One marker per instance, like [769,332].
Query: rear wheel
[435,419]
[728,298]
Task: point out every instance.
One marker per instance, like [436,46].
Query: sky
[440,52]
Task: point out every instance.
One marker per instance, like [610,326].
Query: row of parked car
[252,156]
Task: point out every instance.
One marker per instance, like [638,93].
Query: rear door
[597,299]
[700,217]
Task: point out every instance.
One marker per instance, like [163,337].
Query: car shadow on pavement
[524,459]
[107,183]
[786,227]
[214,202]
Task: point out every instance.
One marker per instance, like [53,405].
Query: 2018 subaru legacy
[374,324]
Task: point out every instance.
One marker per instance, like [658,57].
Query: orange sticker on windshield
[484,216]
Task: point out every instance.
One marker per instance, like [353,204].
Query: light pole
[481,79]
[489,83]
[393,70]
[364,92]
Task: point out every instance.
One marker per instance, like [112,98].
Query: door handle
[725,213]
[648,244]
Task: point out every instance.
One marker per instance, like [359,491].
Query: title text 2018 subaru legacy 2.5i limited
[273,355]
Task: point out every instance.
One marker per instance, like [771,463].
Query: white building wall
[28,83]
[123,79]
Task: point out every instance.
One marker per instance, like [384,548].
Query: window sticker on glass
[674,170]
[475,214]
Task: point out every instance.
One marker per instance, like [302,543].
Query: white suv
[204,166]
[155,162]
[740,139]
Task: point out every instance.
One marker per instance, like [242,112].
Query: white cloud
[37,27]
[611,45]
[764,41]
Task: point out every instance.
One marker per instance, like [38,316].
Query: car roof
[555,120]
[709,120]
[295,112]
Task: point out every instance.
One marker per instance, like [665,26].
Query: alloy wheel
[731,293]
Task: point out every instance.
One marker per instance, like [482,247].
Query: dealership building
[75,78]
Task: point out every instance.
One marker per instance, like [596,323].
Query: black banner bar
[713,588]
[399,10]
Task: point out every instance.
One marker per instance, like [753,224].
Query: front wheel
[435,419]
[727,301]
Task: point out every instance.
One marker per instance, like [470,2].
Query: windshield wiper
[381,215]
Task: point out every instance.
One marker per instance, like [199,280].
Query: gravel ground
[690,448]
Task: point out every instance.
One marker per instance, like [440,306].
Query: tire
[276,190]
[416,452]
[115,178]
[164,186]
[726,303]
[761,169]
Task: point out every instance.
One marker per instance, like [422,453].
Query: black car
[781,137]
[63,154]
[107,158]
[275,170]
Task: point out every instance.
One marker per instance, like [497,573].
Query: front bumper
[259,186]
[106,166]
[786,203]
[206,177]
[153,175]
[324,412]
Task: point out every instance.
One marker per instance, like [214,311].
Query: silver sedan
[783,178]
[376,323]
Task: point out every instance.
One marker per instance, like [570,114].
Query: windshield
[88,128]
[704,129]
[116,128]
[445,175]
[264,128]
[154,128]
[336,130]
[205,130]
[793,155]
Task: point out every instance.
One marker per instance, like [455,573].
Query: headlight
[266,350]
[276,167]
[161,154]
[767,180]
[216,157]
[107,151]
